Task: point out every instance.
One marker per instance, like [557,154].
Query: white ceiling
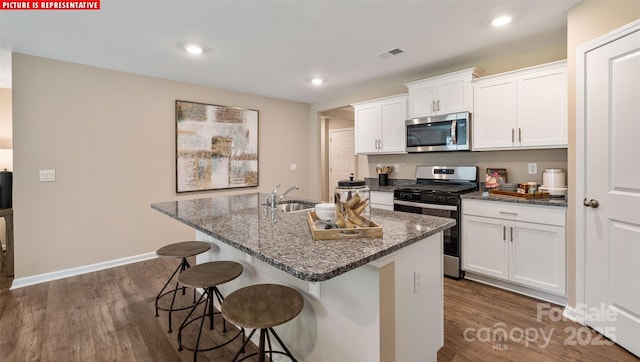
[273,48]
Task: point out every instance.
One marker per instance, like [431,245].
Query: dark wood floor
[109,316]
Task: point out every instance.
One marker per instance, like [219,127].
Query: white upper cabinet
[449,93]
[380,125]
[521,109]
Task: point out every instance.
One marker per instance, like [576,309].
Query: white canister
[554,177]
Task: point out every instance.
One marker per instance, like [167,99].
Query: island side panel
[341,325]
[376,305]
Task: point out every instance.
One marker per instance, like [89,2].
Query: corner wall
[110,136]
[587,21]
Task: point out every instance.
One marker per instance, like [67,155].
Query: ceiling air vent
[390,53]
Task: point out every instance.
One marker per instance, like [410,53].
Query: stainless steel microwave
[450,132]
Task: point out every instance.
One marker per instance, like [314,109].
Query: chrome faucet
[273,198]
[287,192]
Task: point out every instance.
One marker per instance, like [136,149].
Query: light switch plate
[293,167]
[533,168]
[47,175]
[396,167]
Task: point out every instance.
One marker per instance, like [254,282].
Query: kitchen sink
[295,205]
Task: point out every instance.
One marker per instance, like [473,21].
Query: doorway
[337,122]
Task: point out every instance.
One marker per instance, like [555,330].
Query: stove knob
[441,198]
[405,196]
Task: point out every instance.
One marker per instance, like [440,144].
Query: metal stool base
[264,334]
[207,297]
[184,265]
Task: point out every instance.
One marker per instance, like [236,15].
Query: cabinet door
[494,119]
[454,95]
[538,256]
[393,129]
[421,99]
[367,128]
[542,110]
[485,247]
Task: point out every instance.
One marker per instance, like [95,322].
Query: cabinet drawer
[549,215]
[382,198]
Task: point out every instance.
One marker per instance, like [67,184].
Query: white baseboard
[574,314]
[516,288]
[65,273]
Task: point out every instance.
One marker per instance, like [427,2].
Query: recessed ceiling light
[193,49]
[317,81]
[501,20]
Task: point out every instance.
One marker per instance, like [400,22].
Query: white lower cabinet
[520,244]
[382,200]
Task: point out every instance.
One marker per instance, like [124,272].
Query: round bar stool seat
[182,250]
[207,276]
[263,306]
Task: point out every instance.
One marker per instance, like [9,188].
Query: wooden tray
[537,195]
[374,231]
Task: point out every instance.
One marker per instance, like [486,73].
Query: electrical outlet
[417,280]
[396,168]
[47,175]
[293,167]
[533,168]
[314,289]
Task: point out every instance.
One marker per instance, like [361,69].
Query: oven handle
[426,206]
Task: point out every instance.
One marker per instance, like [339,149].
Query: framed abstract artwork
[216,147]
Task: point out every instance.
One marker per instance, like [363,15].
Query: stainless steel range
[437,192]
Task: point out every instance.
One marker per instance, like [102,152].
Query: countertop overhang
[284,240]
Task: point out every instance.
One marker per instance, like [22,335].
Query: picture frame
[216,147]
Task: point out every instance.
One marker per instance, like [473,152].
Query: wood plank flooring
[109,316]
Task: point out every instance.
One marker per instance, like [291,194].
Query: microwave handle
[453,132]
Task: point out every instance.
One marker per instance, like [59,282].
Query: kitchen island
[377,299]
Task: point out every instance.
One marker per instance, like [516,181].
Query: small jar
[533,186]
[352,202]
[523,188]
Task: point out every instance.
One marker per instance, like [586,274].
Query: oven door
[451,236]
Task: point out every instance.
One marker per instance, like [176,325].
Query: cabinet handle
[513,135]
[433,106]
[519,134]
[511,230]
[504,233]
[438,105]
[381,145]
[377,144]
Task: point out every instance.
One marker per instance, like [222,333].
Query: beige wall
[6,127]
[586,21]
[110,136]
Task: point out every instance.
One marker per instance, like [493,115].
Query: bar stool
[208,276]
[181,250]
[262,306]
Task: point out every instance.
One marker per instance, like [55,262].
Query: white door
[367,123]
[542,108]
[495,113]
[342,158]
[537,256]
[485,248]
[393,129]
[610,97]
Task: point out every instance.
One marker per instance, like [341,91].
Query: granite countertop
[284,240]
[561,202]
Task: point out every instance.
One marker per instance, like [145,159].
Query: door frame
[575,313]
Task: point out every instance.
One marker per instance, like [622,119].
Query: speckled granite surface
[561,202]
[284,240]
[394,183]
